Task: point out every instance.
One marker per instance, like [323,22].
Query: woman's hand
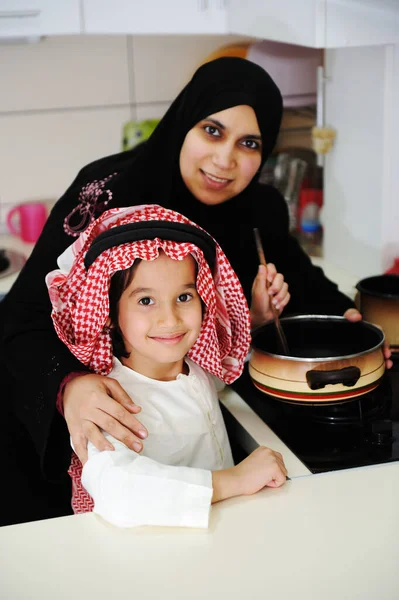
[353,315]
[278,294]
[93,402]
[262,468]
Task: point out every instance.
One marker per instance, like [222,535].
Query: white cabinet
[314,23]
[155,16]
[31,18]
[317,23]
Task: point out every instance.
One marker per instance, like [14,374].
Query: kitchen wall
[63,102]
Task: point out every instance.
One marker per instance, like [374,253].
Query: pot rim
[361,286]
[311,317]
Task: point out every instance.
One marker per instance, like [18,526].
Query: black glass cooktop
[359,432]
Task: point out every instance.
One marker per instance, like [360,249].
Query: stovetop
[355,433]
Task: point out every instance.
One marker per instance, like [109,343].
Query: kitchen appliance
[363,431]
[379,303]
[330,359]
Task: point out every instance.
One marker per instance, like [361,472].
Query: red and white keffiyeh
[81,305]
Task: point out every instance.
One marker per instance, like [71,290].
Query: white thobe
[170,481]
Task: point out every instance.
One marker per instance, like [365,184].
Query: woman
[202,160]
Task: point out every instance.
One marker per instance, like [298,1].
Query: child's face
[160,316]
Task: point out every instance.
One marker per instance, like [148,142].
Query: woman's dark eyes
[251,144]
[212,130]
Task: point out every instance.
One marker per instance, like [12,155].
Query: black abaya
[35,361]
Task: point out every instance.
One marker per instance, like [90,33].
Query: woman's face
[221,154]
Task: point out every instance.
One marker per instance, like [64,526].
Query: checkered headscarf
[81,304]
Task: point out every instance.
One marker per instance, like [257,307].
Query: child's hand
[262,468]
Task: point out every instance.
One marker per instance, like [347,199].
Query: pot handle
[347,376]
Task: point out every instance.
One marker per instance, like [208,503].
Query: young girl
[151,300]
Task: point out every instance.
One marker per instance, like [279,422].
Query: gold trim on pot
[308,378]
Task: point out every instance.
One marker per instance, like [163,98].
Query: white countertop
[332,536]
[346,281]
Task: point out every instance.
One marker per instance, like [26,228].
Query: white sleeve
[130,490]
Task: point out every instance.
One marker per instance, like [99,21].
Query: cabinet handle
[19,14]
[202,5]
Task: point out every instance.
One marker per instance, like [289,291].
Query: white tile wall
[64,72]
[41,153]
[63,102]
[164,64]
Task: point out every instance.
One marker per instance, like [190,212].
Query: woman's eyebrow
[218,123]
[253,136]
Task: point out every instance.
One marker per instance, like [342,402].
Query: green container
[134,132]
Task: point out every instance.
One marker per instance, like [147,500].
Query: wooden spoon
[262,260]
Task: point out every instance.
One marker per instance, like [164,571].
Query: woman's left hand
[353,315]
[262,298]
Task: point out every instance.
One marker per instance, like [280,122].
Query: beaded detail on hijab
[90,202]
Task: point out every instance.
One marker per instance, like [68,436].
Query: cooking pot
[378,301]
[331,359]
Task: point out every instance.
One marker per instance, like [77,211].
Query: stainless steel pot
[331,359]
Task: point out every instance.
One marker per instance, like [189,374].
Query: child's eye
[251,144]
[184,298]
[146,301]
[212,130]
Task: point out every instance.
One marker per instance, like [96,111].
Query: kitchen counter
[332,536]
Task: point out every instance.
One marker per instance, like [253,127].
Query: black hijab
[150,172]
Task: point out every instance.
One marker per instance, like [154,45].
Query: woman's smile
[214,182]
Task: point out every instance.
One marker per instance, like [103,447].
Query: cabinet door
[317,23]
[30,18]
[154,16]
[298,22]
[361,23]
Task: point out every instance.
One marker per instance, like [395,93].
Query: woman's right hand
[93,403]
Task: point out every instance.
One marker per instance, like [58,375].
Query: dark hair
[119,282]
